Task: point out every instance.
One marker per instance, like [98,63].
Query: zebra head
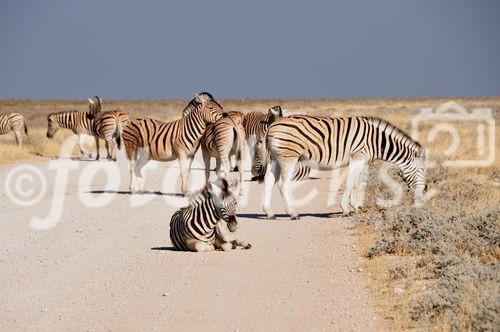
[94,106]
[210,110]
[52,125]
[225,200]
[273,114]
[414,173]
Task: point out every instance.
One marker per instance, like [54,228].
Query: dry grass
[444,256]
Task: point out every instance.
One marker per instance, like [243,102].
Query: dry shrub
[449,248]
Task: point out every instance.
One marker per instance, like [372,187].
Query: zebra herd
[281,149]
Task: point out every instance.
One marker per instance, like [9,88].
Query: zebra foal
[209,222]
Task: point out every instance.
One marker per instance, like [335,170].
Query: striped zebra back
[301,173]
[329,143]
[256,123]
[166,139]
[77,122]
[215,203]
[12,122]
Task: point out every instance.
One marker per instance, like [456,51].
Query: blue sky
[249,49]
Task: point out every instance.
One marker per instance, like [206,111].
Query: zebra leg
[239,164]
[97,147]
[217,165]
[184,164]
[83,152]
[287,171]
[132,186]
[224,167]
[206,161]
[242,243]
[141,161]
[199,246]
[19,138]
[355,168]
[272,173]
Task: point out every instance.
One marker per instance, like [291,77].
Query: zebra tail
[266,158]
[118,134]
[25,127]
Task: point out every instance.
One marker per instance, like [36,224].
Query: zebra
[106,125]
[16,123]
[328,143]
[109,126]
[150,139]
[221,140]
[256,124]
[209,221]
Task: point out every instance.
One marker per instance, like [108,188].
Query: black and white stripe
[16,123]
[328,143]
[150,139]
[104,125]
[209,220]
[221,140]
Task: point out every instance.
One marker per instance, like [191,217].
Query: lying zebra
[209,222]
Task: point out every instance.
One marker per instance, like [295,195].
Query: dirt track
[112,268]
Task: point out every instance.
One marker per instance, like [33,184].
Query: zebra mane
[199,197]
[378,122]
[203,194]
[195,102]
[63,112]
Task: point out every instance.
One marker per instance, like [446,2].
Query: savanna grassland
[434,267]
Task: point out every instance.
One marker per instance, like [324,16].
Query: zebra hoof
[248,246]
[236,169]
[271,217]
[255,178]
[295,217]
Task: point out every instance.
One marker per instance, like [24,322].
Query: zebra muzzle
[232,223]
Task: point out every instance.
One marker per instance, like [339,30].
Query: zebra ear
[198,98]
[90,101]
[214,189]
[235,186]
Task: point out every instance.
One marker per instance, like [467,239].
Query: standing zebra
[149,139]
[109,126]
[106,125]
[208,221]
[329,143]
[16,123]
[221,140]
[256,124]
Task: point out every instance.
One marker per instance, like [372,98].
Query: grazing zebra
[16,123]
[106,125]
[221,140]
[149,139]
[209,220]
[94,106]
[329,143]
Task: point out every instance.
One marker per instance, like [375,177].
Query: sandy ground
[112,267]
